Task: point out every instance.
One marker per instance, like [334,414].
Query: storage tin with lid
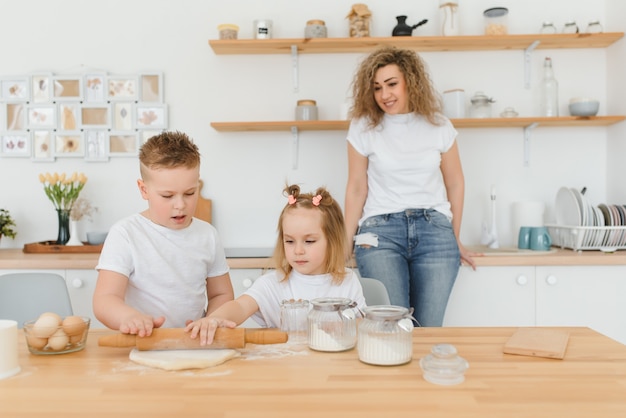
[385,336]
[306,110]
[315,29]
[262,29]
[332,324]
[481,105]
[496,21]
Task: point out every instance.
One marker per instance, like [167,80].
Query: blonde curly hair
[423,99]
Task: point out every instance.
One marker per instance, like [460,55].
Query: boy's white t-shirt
[404,158]
[167,269]
[268,292]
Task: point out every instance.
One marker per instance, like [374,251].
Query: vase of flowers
[82,208]
[7,224]
[63,192]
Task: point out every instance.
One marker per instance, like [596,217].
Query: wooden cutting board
[538,342]
[204,207]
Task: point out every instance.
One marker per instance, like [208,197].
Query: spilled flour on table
[273,351]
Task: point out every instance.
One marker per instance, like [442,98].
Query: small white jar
[262,29]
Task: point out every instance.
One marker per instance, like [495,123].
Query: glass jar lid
[443,365]
[481,98]
[496,12]
[332,304]
[386,312]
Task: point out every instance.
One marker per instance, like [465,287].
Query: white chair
[25,296]
[374,291]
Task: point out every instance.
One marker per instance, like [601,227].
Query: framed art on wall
[41,88]
[95,116]
[151,88]
[122,88]
[42,116]
[68,144]
[15,144]
[69,116]
[14,89]
[67,88]
[151,116]
[94,88]
[14,117]
[123,116]
[96,145]
[123,144]
[42,145]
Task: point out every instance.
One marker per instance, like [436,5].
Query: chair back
[374,291]
[25,296]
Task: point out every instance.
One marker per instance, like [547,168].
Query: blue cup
[523,240]
[540,239]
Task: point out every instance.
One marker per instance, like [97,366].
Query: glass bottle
[549,91]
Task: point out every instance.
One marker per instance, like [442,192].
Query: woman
[404,197]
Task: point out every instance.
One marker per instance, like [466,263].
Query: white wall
[244,173]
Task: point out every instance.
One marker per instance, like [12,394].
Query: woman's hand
[205,328]
[467,256]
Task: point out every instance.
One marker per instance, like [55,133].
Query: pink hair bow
[316,199]
[291,200]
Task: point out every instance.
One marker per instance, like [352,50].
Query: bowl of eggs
[52,334]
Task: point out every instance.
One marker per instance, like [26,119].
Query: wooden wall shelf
[418,43]
[339,125]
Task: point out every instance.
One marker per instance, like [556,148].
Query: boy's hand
[140,325]
[205,328]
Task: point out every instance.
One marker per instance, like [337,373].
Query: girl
[309,264]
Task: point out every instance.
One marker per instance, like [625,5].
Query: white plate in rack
[568,211]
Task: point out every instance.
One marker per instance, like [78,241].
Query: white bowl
[96,237]
[581,106]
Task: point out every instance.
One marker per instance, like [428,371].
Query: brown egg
[58,341]
[74,325]
[36,342]
[46,325]
[52,315]
[75,339]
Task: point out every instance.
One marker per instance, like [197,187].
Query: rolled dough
[182,359]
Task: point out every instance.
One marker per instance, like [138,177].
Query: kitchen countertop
[16,259]
[291,380]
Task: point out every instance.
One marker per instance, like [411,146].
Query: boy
[162,267]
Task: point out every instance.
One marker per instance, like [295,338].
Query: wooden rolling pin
[178,339]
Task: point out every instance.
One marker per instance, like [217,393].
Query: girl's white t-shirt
[404,158]
[268,292]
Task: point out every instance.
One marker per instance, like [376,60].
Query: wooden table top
[292,381]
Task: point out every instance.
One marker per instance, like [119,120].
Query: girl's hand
[140,324]
[205,328]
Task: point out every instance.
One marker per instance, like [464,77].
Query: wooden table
[287,381]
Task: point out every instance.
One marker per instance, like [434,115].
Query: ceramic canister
[262,29]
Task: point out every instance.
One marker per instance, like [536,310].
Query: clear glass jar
[481,105]
[594,26]
[332,324]
[570,27]
[443,365]
[496,22]
[306,110]
[294,319]
[385,336]
[548,28]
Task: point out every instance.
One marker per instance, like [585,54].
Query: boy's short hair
[168,149]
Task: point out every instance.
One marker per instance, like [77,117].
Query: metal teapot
[404,29]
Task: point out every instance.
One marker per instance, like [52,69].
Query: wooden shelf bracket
[527,55]
[527,131]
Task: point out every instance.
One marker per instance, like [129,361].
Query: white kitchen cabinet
[492,296]
[591,296]
[242,279]
[81,285]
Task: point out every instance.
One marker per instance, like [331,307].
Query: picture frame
[69,144]
[122,116]
[15,144]
[123,144]
[94,87]
[14,116]
[96,145]
[41,116]
[14,89]
[151,88]
[122,87]
[67,88]
[150,116]
[69,116]
[42,145]
[41,87]
[95,116]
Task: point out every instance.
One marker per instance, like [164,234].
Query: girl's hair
[168,150]
[333,228]
[422,97]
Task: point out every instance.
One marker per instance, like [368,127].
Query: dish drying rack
[603,238]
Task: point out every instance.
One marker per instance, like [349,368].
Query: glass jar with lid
[315,29]
[496,21]
[332,324]
[443,366]
[481,105]
[385,336]
[570,27]
[548,28]
[594,26]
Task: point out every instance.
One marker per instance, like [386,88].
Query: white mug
[8,349]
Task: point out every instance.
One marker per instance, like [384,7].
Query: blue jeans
[415,254]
